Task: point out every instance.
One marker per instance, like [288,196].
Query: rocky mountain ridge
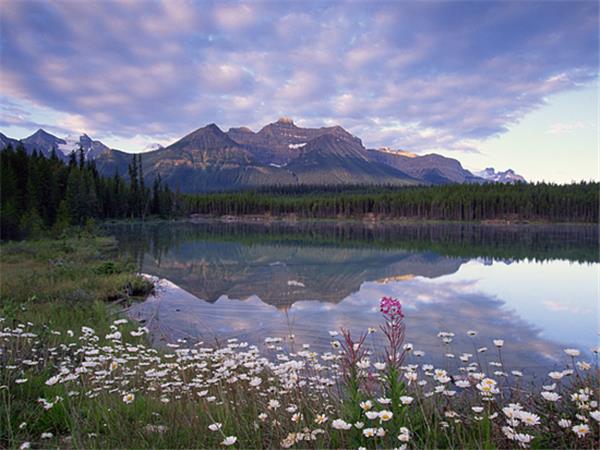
[280,153]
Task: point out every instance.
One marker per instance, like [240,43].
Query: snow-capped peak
[508,176]
[153,146]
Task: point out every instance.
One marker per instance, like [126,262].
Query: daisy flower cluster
[116,390]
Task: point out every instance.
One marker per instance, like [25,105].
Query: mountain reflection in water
[254,281]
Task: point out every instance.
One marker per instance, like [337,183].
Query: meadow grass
[76,375]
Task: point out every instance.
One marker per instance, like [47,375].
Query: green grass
[75,271]
[60,285]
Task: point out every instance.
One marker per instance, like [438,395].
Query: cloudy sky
[503,84]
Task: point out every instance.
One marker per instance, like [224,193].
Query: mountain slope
[91,149]
[113,161]
[43,142]
[5,141]
[330,159]
[432,168]
[281,141]
[208,160]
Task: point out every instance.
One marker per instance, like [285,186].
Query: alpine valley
[281,153]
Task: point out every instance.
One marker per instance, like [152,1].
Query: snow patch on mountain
[295,146]
[71,145]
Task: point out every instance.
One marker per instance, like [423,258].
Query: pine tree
[63,219]
[156,194]
[73,196]
[72,159]
[142,189]
[32,225]
[81,158]
[133,188]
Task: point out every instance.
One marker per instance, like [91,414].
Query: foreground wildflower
[406,399]
[369,432]
[404,435]
[529,418]
[523,439]
[391,307]
[128,398]
[229,440]
[581,430]
[487,387]
[366,405]
[550,396]
[564,423]
[385,415]
[340,424]
[274,404]
[321,419]
[372,415]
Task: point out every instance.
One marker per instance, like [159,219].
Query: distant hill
[432,168]
[280,153]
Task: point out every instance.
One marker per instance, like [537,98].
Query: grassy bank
[60,285]
[76,375]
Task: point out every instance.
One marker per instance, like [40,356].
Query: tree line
[39,194]
[577,202]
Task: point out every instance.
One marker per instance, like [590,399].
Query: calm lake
[535,286]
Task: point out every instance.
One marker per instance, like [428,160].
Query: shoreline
[367,221]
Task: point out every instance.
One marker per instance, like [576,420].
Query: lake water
[536,287]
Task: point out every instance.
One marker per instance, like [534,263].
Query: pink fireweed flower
[393,330]
[391,307]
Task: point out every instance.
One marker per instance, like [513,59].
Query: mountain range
[281,153]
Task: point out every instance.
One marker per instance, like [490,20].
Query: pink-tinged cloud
[417,75]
